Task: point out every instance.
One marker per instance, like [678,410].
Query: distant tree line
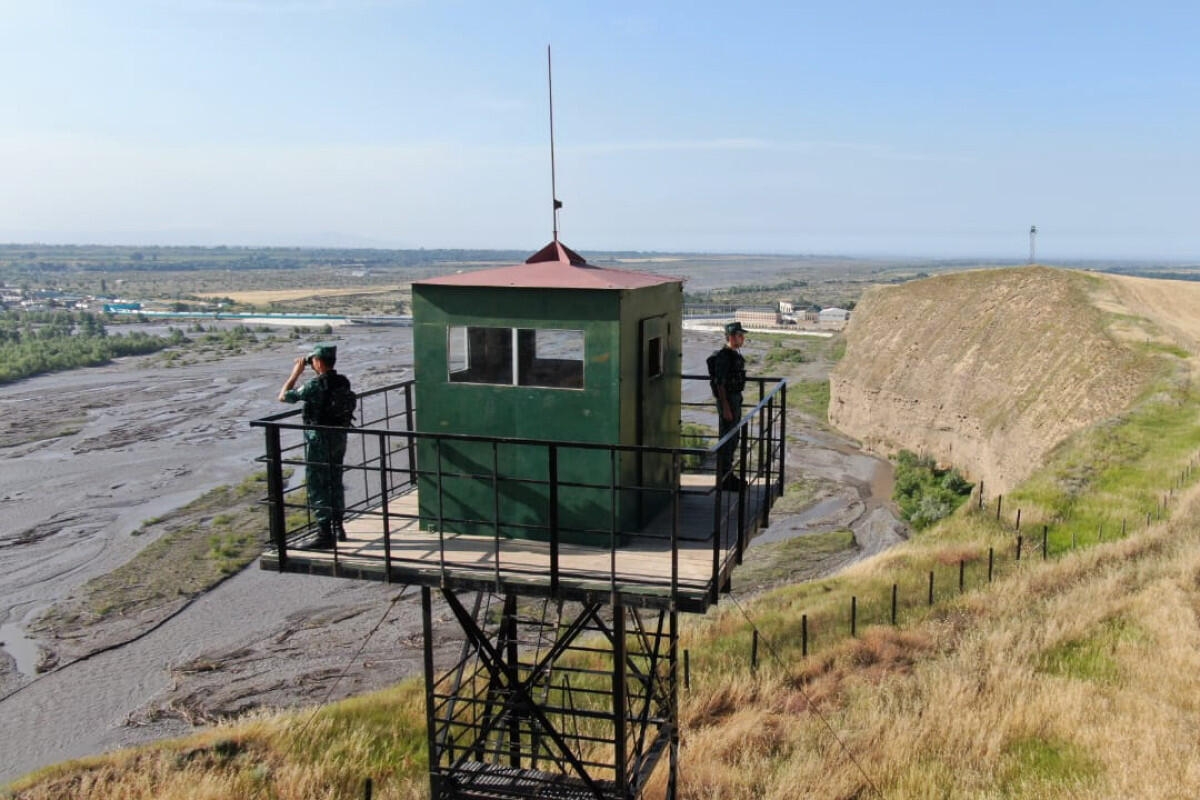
[67,258]
[32,343]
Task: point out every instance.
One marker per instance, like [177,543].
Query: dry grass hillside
[990,370]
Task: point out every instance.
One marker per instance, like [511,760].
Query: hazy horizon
[923,130]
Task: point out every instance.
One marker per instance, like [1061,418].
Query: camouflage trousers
[324,453]
[727,454]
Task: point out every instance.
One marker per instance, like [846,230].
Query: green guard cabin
[552,349]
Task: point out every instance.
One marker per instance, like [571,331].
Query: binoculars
[308,361]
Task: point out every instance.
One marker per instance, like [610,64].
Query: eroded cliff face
[986,370]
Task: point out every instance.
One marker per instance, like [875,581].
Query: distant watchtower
[554,348]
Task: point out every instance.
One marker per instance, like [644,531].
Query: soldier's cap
[734,327]
[325,352]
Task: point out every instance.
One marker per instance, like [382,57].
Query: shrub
[925,493]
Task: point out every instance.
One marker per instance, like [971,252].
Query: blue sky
[857,128]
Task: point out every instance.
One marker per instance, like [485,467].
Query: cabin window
[480,355]
[654,358]
[548,358]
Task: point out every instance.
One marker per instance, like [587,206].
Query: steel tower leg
[547,705]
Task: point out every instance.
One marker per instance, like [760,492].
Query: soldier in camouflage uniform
[730,380]
[324,450]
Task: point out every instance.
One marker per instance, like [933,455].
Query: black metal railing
[387,459]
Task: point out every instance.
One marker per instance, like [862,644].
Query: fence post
[893,604]
[1045,542]
[981,495]
[367,789]
[999,501]
[804,635]
[853,615]
[1018,519]
[991,562]
[687,670]
[930,587]
[962,575]
[1019,539]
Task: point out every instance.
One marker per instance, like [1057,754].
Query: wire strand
[353,658]
[808,699]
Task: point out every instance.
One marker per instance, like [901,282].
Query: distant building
[834,318]
[757,317]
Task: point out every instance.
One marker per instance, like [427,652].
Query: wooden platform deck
[639,571]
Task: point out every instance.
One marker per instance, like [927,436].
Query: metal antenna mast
[1032,243]
[553,190]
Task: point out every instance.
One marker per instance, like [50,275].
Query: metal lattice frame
[552,705]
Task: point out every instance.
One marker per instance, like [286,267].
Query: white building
[833,317]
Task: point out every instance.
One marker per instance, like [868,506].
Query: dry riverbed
[100,466]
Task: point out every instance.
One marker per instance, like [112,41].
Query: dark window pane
[550,358]
[479,355]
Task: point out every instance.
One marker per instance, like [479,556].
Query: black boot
[733,483]
[340,531]
[324,537]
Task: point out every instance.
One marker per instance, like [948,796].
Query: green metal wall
[603,411]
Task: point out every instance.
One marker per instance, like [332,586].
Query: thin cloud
[294,6]
[752,144]
[668,145]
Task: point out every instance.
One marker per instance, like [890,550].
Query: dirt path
[141,442]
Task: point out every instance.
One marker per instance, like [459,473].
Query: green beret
[325,352]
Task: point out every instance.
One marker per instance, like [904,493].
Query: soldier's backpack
[340,401]
[712,371]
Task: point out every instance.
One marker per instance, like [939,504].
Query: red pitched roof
[555,266]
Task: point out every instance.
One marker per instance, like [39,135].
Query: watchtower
[534,476]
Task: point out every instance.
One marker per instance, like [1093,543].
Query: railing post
[768,487]
[758,466]
[384,491]
[718,537]
[276,519]
[741,509]
[676,472]
[496,508]
[408,426]
[552,468]
[782,435]
[441,513]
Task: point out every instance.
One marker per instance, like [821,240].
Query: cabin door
[653,411]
